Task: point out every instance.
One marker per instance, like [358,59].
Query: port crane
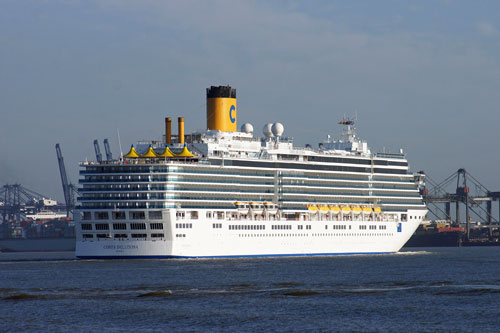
[109,156]
[69,189]
[107,149]
[98,155]
[17,201]
[438,193]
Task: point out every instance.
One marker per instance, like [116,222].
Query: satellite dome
[278,129]
[247,128]
[267,130]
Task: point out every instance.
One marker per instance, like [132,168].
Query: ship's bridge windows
[385,162]
[156,226]
[86,216]
[119,226]
[118,215]
[138,226]
[155,215]
[101,215]
[86,226]
[101,226]
[139,215]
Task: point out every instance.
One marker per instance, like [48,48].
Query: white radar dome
[268,130]
[278,129]
[247,128]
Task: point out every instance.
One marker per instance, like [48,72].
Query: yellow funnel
[181,129]
[132,153]
[168,130]
[221,109]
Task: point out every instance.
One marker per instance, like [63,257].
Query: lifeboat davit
[271,207]
[256,207]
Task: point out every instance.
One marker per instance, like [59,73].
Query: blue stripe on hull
[235,256]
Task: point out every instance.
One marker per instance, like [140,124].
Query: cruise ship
[224,192]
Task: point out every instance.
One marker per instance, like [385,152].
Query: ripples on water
[454,289]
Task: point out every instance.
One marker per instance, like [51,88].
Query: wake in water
[412,253]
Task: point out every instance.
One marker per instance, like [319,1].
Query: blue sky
[421,75]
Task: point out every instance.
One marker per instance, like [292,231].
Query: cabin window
[138,215]
[86,226]
[156,226]
[155,215]
[86,216]
[119,226]
[101,215]
[118,215]
[102,226]
[138,226]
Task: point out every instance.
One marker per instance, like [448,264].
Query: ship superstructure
[225,193]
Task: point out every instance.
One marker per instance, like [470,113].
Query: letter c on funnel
[231,114]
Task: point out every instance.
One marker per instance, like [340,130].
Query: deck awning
[132,153]
[184,153]
[149,153]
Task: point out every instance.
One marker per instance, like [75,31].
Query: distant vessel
[46,215]
[59,244]
[226,193]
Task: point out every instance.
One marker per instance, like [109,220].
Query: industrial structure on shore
[478,227]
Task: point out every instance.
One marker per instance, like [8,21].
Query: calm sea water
[421,290]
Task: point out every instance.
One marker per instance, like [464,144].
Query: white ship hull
[202,241]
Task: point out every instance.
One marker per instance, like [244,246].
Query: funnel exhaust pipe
[168,130]
[181,129]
